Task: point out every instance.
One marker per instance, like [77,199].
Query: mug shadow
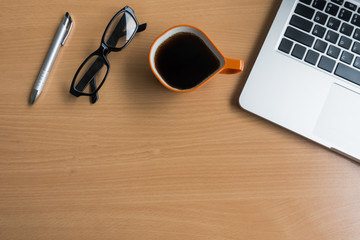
[234,101]
[143,86]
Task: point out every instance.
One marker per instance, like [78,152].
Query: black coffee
[184,61]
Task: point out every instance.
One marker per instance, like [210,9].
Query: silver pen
[59,40]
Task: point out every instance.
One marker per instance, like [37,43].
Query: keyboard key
[333,52]
[332,9]
[356,48]
[340,2]
[298,51]
[333,23]
[319,4]
[357,34]
[332,36]
[301,23]
[304,11]
[346,57]
[320,46]
[345,42]
[346,29]
[326,64]
[345,14]
[319,31]
[321,18]
[350,6]
[299,36]
[312,57]
[357,62]
[285,45]
[356,20]
[306,1]
[348,73]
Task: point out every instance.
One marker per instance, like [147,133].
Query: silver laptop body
[307,76]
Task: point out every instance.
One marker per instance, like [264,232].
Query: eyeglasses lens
[120,31]
[91,75]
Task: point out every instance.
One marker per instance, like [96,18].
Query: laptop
[307,75]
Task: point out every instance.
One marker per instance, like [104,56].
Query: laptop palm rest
[339,121]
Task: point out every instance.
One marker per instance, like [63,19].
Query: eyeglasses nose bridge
[103,50]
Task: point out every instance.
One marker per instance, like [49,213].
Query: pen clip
[67,20]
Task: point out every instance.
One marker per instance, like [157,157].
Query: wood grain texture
[147,163]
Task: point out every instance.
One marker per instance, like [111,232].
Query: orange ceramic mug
[184,58]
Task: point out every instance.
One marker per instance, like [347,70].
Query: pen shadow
[249,63]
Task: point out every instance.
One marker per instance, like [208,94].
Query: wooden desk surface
[147,163]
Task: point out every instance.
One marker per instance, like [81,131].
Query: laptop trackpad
[339,121]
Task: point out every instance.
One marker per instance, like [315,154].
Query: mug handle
[232,66]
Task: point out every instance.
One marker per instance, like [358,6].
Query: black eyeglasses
[92,73]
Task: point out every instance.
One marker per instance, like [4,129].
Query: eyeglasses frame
[102,52]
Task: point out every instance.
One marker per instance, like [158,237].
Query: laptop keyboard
[325,34]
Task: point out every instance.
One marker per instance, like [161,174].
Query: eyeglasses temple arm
[142,27]
[95,97]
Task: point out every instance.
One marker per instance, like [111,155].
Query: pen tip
[34,96]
